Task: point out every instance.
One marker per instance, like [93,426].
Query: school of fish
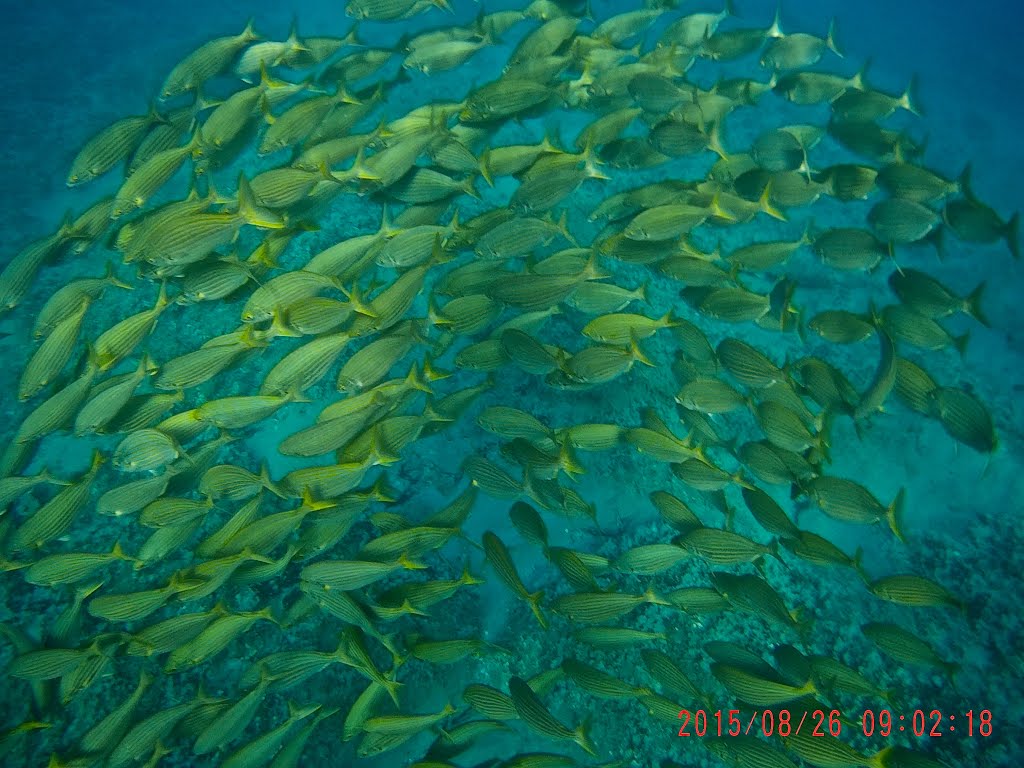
[224,615]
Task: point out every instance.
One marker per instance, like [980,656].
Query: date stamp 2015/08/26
[818,722]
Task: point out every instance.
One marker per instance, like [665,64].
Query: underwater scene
[511,384]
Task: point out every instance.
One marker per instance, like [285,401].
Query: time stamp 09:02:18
[784,723]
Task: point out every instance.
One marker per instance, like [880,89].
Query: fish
[882,384]
[597,607]
[849,181]
[18,273]
[600,364]
[769,514]
[748,365]
[151,176]
[210,59]
[842,327]
[906,646]
[816,87]
[145,450]
[964,418]
[756,690]
[266,745]
[849,501]
[849,248]
[649,559]
[818,550]
[52,355]
[927,296]
[910,589]
[692,30]
[110,146]
[271,53]
[767,254]
[622,328]
[72,567]
[498,556]
[755,595]
[799,50]
[598,683]
[914,386]
[227,725]
[899,220]
[975,222]
[913,182]
[55,517]
[66,299]
[532,712]
[214,638]
[352,574]
[120,340]
[828,750]
[240,411]
[907,325]
[721,547]
[389,10]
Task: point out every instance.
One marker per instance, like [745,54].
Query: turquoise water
[72,70]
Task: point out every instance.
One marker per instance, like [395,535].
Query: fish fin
[972,305]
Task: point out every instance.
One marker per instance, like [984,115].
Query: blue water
[72,68]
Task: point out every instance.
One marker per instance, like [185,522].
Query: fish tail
[951,668]
[775,30]
[859,80]
[894,515]
[972,305]
[112,278]
[1012,235]
[249,34]
[878,760]
[767,206]
[960,342]
[469,187]
[804,626]
[858,558]
[392,686]
[250,210]
[715,144]
[485,167]
[534,600]
[830,38]
[638,354]
[909,98]
[582,737]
